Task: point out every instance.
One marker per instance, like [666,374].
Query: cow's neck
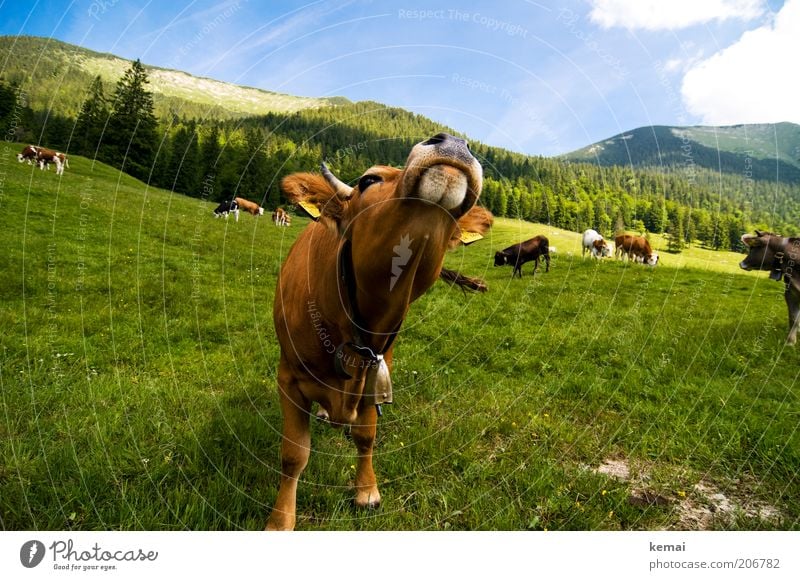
[380,290]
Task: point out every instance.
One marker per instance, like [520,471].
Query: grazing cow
[280,217]
[519,254]
[226,208]
[47,156]
[249,206]
[780,256]
[596,244]
[346,287]
[636,248]
[29,154]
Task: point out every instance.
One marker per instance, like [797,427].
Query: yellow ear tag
[469,237]
[310,208]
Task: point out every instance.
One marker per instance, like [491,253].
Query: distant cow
[46,156]
[28,154]
[226,208]
[780,256]
[280,217]
[519,254]
[249,206]
[596,244]
[636,248]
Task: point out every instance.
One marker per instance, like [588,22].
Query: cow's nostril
[436,139]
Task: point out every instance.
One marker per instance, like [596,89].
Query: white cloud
[753,80]
[672,14]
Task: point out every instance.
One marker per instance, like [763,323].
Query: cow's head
[601,248]
[501,258]
[440,174]
[425,205]
[651,260]
[763,251]
[20,157]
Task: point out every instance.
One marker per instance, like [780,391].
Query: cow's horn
[340,187]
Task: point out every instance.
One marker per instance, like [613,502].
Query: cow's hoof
[368,499]
[280,522]
[791,341]
[278,526]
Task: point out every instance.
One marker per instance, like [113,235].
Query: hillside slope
[762,152]
[69,69]
[139,362]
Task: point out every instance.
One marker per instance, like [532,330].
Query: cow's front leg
[793,303]
[364,429]
[295,450]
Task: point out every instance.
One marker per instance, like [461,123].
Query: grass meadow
[138,362]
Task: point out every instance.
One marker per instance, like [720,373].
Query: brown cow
[780,256]
[46,156]
[519,254]
[636,248]
[29,154]
[346,287]
[249,206]
[280,217]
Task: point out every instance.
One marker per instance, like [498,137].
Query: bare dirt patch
[705,507]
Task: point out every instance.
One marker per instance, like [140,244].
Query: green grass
[137,366]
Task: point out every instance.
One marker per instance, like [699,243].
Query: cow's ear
[477,220]
[753,241]
[313,192]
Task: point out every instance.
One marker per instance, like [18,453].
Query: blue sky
[533,76]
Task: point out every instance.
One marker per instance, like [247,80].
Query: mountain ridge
[74,67]
[762,151]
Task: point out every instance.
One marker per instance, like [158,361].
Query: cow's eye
[367,180]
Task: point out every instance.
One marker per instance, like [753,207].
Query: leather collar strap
[778,266]
[358,325]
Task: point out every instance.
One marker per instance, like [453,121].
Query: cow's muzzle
[443,171]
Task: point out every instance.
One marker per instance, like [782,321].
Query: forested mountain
[764,152]
[55,68]
[217,153]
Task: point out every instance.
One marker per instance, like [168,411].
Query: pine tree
[8,101]
[254,179]
[210,163]
[131,140]
[184,162]
[675,231]
[92,119]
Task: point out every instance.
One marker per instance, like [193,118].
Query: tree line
[221,158]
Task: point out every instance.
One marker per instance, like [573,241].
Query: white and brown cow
[29,154]
[280,217]
[346,287]
[249,206]
[597,245]
[46,156]
[781,256]
[636,248]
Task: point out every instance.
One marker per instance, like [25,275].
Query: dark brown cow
[345,289]
[29,154]
[249,206]
[519,254]
[780,256]
[636,248]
